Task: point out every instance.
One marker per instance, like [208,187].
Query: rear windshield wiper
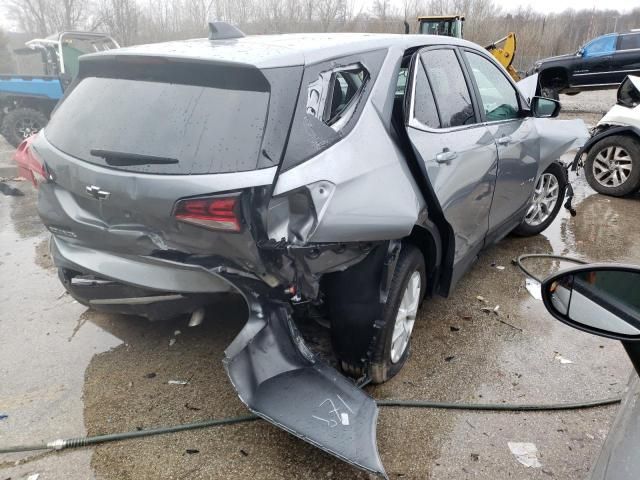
[122,158]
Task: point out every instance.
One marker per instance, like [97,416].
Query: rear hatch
[157,156]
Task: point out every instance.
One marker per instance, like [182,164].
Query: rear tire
[21,123]
[391,344]
[546,202]
[612,166]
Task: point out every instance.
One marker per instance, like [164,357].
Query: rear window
[145,125]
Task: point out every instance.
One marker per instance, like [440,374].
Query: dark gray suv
[355,173]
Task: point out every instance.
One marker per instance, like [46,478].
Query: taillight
[30,166]
[216,213]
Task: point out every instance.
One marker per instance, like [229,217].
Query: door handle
[445,156]
[506,140]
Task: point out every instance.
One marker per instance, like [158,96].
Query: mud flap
[281,380]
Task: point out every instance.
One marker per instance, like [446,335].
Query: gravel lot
[67,371]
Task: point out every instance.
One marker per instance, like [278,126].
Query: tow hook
[568,192]
[569,196]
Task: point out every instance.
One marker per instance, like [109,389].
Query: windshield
[157,127]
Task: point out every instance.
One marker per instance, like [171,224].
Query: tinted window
[449,88]
[180,129]
[600,46]
[424,107]
[629,42]
[499,98]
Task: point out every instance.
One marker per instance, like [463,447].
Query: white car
[612,163]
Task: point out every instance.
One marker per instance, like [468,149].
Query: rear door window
[158,127]
[424,107]
[629,42]
[449,87]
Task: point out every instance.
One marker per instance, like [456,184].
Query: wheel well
[610,132]
[554,77]
[424,240]
[44,105]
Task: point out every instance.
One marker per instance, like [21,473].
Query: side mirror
[544,107]
[580,52]
[629,92]
[600,299]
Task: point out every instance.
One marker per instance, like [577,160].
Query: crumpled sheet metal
[559,136]
[280,380]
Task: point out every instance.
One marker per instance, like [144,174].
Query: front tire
[612,166]
[21,123]
[548,196]
[391,345]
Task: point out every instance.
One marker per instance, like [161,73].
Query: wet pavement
[67,372]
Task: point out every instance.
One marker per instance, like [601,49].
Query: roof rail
[223,31]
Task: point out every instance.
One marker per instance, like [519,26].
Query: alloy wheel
[612,166]
[25,127]
[406,317]
[545,197]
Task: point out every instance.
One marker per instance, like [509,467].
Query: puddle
[10,191]
[42,373]
[22,210]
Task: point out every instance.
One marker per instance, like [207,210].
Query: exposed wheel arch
[604,132]
[42,104]
[555,78]
[426,238]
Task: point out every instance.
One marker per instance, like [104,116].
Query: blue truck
[26,101]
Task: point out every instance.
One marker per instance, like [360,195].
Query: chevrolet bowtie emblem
[97,192]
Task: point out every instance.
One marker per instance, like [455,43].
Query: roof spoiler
[223,31]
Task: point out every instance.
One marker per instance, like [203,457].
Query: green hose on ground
[61,444]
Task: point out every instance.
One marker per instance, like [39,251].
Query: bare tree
[43,17]
[120,18]
[382,8]
[7,64]
[329,11]
[143,21]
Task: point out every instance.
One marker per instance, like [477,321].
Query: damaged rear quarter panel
[373,192]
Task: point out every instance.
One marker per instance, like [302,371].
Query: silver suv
[356,173]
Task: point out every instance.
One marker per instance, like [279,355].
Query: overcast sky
[560,5]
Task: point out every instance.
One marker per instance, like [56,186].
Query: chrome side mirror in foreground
[599,299]
[602,299]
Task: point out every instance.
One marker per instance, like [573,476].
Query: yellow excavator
[452,26]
